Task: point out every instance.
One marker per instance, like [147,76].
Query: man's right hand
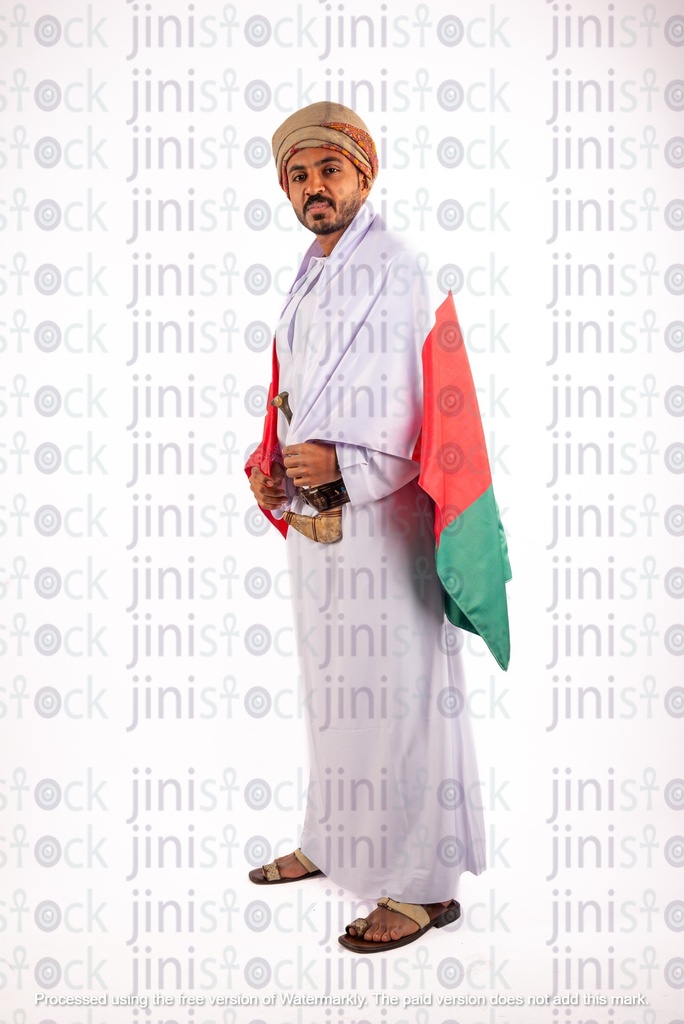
[268,490]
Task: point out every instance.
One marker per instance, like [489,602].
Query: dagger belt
[326,499]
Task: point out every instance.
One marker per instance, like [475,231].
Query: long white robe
[393,806]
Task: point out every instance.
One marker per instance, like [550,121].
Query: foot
[387,926]
[289,867]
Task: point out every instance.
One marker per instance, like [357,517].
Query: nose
[315,182]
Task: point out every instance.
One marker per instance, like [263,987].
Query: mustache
[318,199]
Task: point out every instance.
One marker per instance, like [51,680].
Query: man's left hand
[311,463]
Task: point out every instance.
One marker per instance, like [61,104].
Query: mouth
[317,206]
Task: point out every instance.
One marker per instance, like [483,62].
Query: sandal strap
[271,872]
[360,925]
[304,860]
[414,911]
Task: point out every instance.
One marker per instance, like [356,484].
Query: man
[390,810]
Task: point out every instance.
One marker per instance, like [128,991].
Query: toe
[384,927]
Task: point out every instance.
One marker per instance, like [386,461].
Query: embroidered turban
[325,126]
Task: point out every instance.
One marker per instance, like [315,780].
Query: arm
[370,475]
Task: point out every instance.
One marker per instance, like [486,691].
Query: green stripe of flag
[472,554]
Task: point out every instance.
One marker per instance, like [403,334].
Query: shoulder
[403,269]
[396,247]
[383,249]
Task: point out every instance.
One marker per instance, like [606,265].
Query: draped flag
[471,555]
[268,451]
[471,552]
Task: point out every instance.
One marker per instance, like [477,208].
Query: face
[326,192]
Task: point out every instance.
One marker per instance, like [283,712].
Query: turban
[325,126]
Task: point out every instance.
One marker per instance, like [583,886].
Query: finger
[272,491]
[262,494]
[260,479]
[297,475]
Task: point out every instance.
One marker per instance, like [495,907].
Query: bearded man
[390,809]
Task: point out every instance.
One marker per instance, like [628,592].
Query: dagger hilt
[323,498]
[281,402]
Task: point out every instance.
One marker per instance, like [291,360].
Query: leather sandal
[269,874]
[414,911]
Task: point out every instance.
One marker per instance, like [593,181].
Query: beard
[344,212]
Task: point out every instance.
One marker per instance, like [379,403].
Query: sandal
[414,911]
[269,874]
